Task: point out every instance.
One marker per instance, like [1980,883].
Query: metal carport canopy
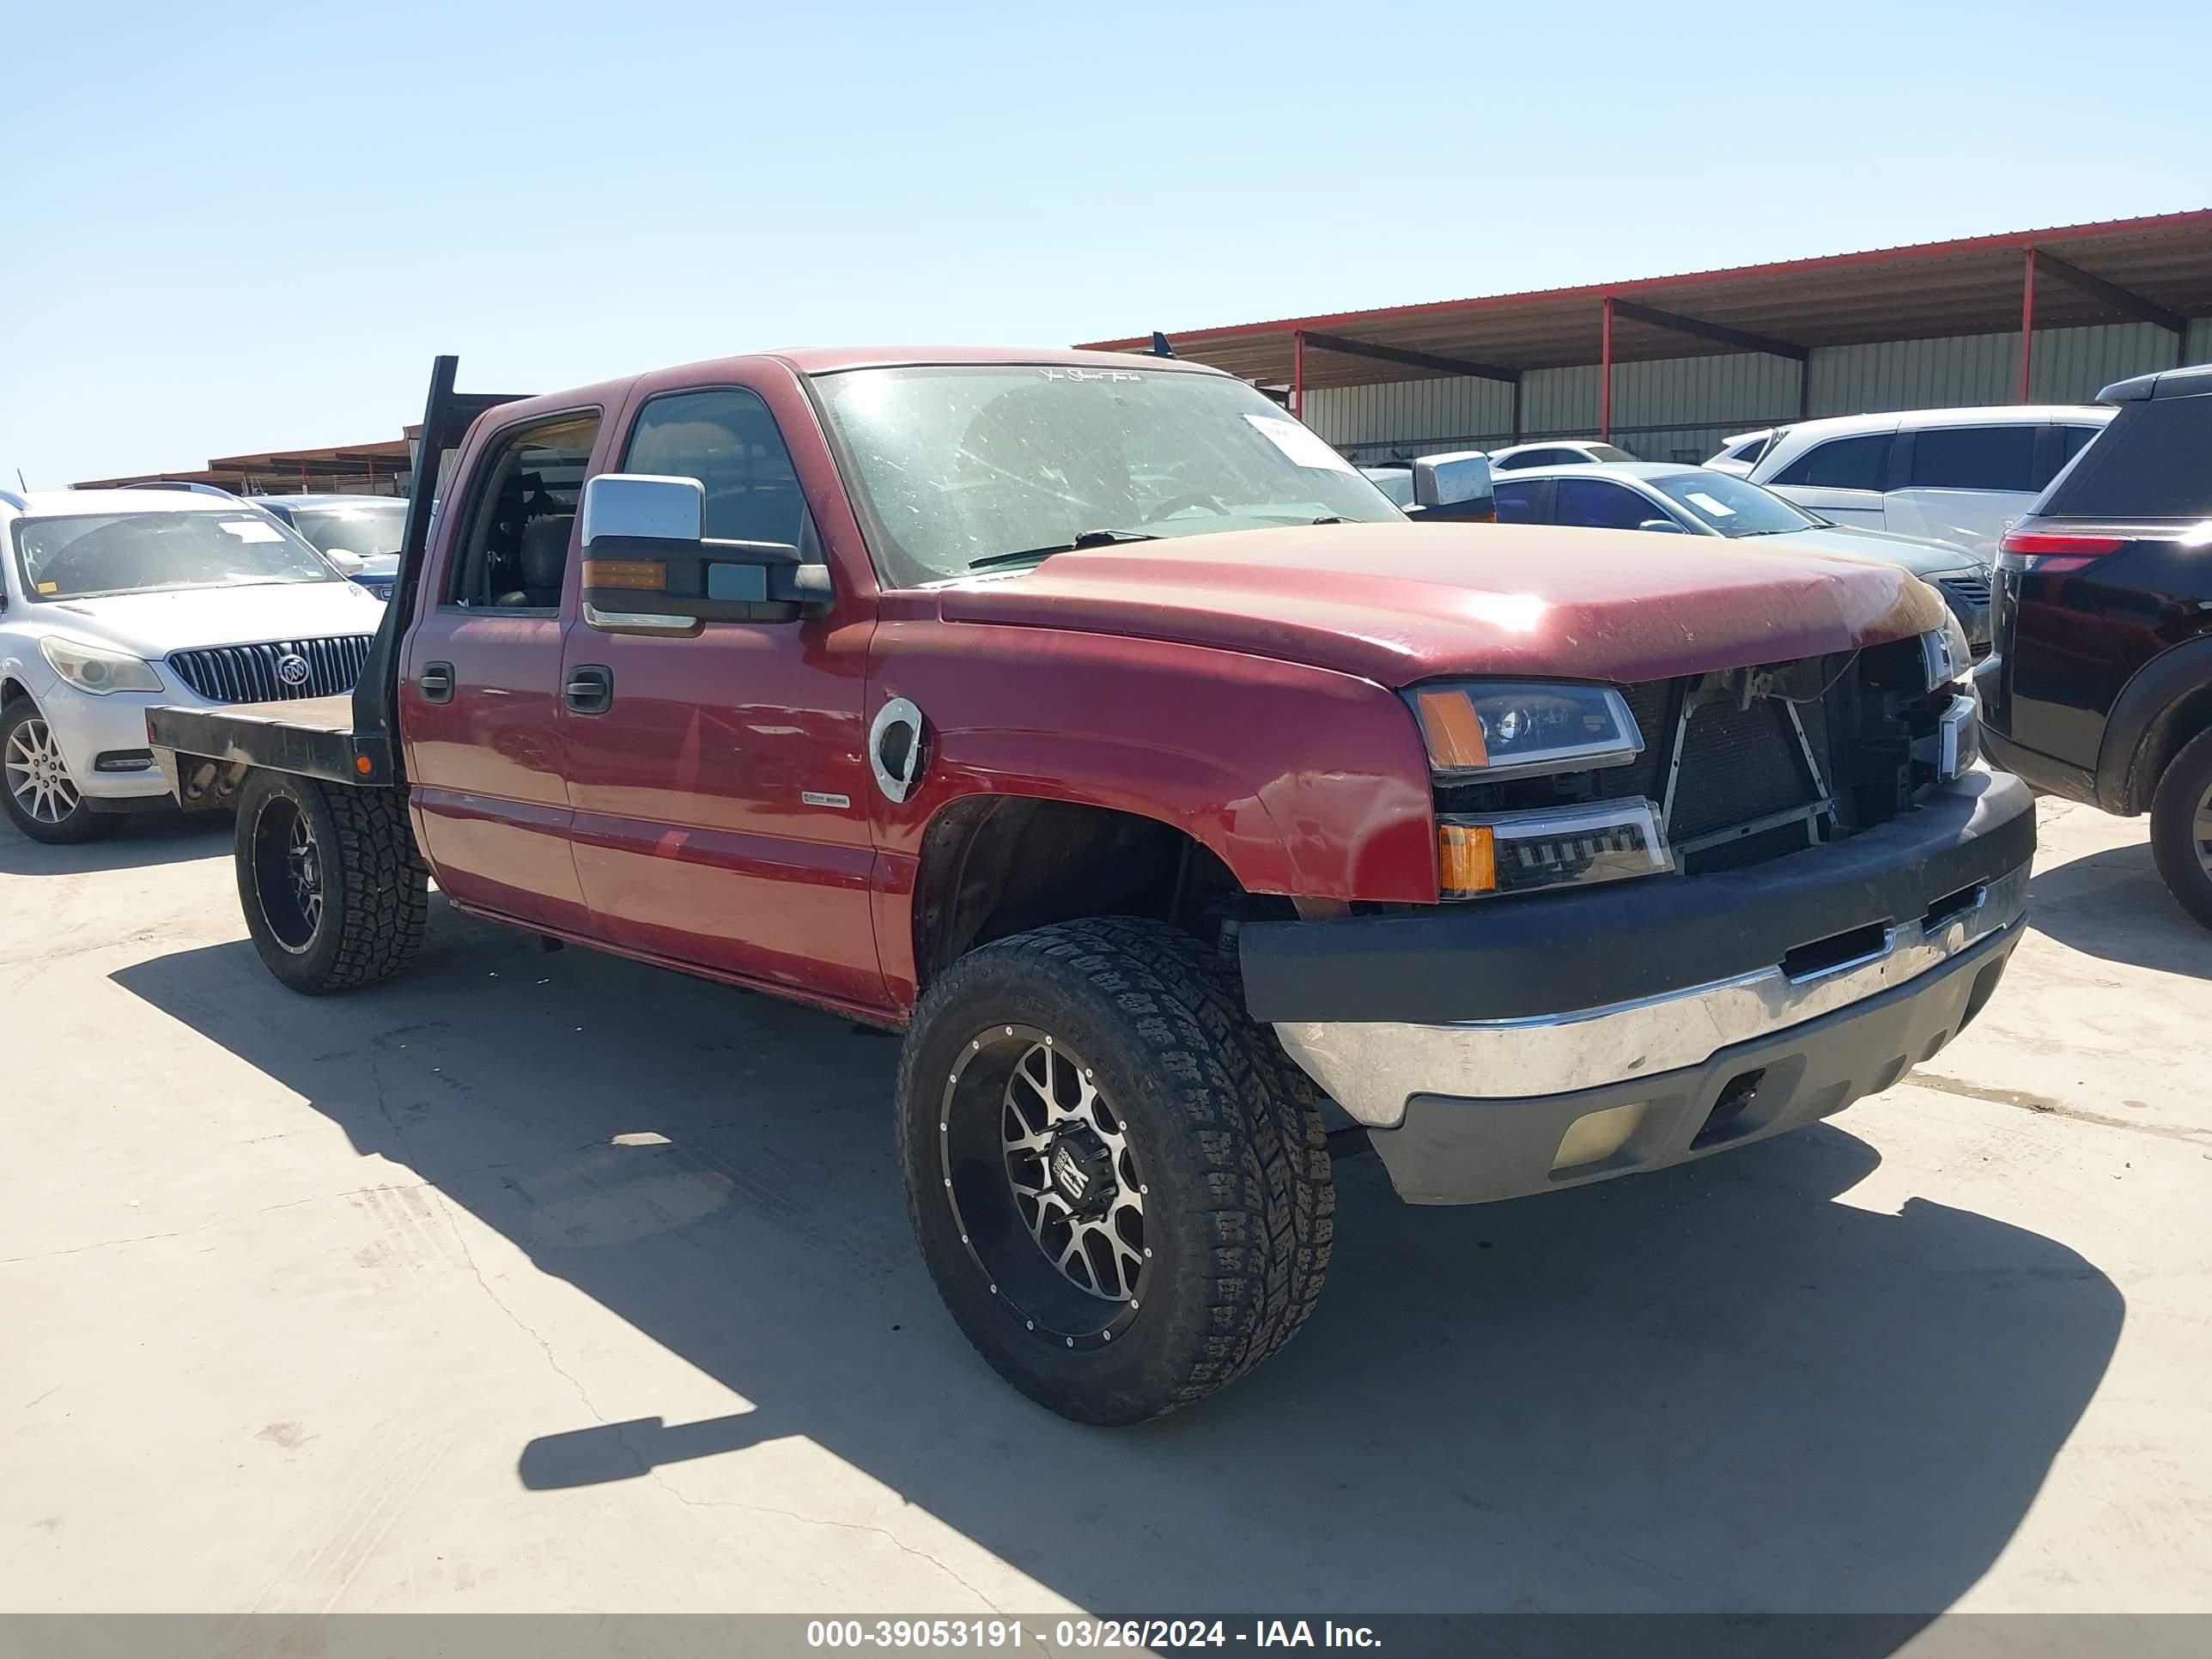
[2157,269]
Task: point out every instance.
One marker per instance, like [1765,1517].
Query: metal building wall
[1682,409]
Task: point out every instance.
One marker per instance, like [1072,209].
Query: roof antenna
[1160,346]
[19,479]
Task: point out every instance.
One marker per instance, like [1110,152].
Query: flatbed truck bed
[312,737]
[206,752]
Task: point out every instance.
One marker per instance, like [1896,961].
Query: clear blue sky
[232,227]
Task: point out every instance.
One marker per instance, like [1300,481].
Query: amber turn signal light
[1452,728]
[639,575]
[1466,860]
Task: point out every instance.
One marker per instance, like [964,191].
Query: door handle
[590,690]
[435,682]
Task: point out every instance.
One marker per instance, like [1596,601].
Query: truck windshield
[1733,507]
[81,556]
[956,464]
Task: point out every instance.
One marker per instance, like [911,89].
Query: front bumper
[1566,1038]
[87,728]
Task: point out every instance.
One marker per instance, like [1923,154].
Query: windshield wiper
[1088,539]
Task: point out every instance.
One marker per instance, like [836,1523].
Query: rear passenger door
[1964,484]
[480,677]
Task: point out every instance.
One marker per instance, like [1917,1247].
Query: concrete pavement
[543,1282]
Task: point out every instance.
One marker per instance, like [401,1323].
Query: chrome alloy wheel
[1074,1179]
[36,775]
[1047,1190]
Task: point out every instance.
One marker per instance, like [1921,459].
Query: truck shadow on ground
[142,841]
[1714,1389]
[2111,904]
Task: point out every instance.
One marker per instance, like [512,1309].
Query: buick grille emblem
[292,668]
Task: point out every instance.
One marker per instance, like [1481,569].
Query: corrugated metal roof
[1963,287]
[369,466]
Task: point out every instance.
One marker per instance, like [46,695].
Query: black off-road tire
[375,890]
[1240,1206]
[2178,845]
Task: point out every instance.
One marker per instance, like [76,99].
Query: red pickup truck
[1091,721]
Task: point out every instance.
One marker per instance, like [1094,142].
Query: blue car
[361,533]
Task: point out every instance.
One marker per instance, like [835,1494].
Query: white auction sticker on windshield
[1299,444]
[1718,509]
[252,530]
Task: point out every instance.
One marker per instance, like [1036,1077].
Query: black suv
[2101,688]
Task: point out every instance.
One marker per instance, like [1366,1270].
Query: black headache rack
[342,739]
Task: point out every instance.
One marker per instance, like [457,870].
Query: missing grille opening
[1824,955]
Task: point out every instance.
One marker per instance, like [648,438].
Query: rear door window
[1600,504]
[2153,462]
[515,553]
[1840,463]
[1975,457]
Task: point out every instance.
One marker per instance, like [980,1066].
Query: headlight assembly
[96,669]
[1481,731]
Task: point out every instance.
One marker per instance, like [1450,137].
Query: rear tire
[335,893]
[43,801]
[1206,1167]
[2181,828]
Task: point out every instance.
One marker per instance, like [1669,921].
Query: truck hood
[151,625]
[1398,603]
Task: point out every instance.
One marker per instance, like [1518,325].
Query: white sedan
[114,601]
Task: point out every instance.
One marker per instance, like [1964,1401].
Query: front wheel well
[994,865]
[13,692]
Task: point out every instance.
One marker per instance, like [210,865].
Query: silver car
[1696,501]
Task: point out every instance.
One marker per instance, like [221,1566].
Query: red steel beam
[2026,322]
[1605,375]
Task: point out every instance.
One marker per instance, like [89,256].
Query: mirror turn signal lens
[638,575]
[1466,860]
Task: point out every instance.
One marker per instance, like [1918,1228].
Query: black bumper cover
[1552,953]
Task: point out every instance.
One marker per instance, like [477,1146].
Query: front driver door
[720,795]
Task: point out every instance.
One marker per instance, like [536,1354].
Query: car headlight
[1491,730]
[1485,730]
[97,669]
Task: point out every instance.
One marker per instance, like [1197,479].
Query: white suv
[113,600]
[1946,475]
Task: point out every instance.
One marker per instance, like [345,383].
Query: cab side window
[727,440]
[514,551]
